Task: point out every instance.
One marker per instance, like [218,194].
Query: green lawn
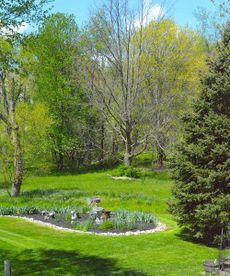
[36,250]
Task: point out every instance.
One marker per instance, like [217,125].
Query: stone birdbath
[98,213]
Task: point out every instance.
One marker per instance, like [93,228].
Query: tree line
[100,94]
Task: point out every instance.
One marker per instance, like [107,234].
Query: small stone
[98,221]
[74,215]
[43,213]
[50,215]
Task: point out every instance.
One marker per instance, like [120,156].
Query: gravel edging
[160,227]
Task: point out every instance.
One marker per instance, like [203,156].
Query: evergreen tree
[201,163]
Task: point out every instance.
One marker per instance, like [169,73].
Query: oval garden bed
[97,220]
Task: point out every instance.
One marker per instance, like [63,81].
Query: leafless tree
[114,64]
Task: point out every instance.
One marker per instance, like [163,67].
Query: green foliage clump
[201,164]
[85,225]
[107,224]
[27,210]
[128,171]
[135,215]
[119,223]
[124,219]
[144,160]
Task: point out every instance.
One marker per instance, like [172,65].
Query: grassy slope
[36,250]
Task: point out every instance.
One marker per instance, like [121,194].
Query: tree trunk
[161,157]
[60,161]
[18,162]
[102,142]
[128,151]
[115,147]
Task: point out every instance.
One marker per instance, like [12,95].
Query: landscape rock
[74,215]
[44,213]
[50,215]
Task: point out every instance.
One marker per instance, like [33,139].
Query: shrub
[128,171]
[84,225]
[144,159]
[107,224]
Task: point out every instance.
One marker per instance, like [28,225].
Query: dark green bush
[128,171]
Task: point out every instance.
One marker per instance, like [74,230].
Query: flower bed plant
[124,219]
[29,210]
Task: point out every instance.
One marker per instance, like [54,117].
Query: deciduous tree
[173,58]
[115,69]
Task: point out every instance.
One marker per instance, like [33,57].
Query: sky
[181,10]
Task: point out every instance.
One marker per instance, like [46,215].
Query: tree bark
[161,156]
[128,150]
[60,161]
[102,142]
[18,162]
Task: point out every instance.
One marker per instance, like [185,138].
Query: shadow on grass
[61,262]
[186,236]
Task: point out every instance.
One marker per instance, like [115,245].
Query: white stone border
[160,227]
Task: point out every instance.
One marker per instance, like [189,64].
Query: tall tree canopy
[115,70]
[173,58]
[58,84]
[19,132]
[139,73]
[13,72]
[56,50]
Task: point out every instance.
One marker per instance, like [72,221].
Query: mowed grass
[38,250]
